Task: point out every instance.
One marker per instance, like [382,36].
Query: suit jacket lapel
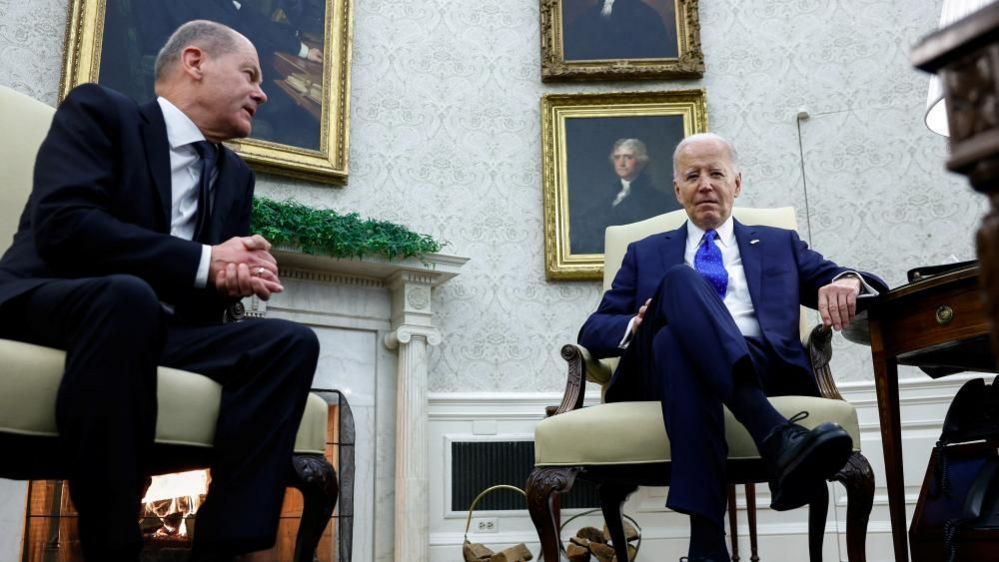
[752,259]
[157,149]
[673,248]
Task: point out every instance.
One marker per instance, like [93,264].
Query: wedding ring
[260,272]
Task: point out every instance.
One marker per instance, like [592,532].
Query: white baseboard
[783,536]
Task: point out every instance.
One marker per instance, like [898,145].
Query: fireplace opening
[170,504]
[168,512]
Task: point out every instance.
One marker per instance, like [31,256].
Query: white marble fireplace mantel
[375,322]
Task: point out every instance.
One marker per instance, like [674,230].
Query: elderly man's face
[231,91]
[706,183]
[626,165]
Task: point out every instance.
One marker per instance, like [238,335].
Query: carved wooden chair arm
[575,384]
[582,367]
[820,353]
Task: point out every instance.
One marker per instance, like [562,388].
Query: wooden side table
[938,324]
[965,55]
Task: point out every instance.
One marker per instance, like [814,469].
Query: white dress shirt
[185,177]
[737,299]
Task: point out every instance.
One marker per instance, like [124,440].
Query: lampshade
[936,106]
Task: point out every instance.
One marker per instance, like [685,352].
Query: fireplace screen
[169,509]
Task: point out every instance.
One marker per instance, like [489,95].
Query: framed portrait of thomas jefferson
[620,39]
[608,160]
[304,49]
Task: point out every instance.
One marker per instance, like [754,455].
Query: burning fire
[172,497]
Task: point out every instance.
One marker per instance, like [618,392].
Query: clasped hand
[243,266]
[838,302]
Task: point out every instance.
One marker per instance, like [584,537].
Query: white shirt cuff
[866,291]
[201,278]
[303,51]
[628,333]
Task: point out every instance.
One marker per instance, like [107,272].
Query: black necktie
[206,151]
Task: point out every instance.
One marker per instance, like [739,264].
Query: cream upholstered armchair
[188,403]
[623,445]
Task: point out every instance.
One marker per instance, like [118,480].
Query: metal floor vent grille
[477,465]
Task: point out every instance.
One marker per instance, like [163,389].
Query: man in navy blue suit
[708,315]
[133,242]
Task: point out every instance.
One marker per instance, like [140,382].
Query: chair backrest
[617,238]
[23,124]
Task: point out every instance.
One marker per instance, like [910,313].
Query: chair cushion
[188,402]
[25,122]
[633,432]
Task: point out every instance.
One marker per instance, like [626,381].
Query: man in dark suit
[708,315]
[620,29]
[133,242]
[631,197]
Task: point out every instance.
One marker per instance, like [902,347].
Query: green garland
[325,232]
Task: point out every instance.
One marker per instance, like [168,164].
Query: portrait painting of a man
[608,160]
[629,183]
[620,39]
[619,29]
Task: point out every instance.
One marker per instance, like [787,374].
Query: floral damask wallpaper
[445,133]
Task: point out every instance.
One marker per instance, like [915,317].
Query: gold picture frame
[651,39]
[582,187]
[304,132]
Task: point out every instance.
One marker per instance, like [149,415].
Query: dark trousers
[688,353]
[115,333]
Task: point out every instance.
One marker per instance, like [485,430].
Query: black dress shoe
[801,460]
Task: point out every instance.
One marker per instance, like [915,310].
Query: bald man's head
[213,38]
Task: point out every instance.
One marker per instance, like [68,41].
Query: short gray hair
[214,38]
[733,155]
[634,145]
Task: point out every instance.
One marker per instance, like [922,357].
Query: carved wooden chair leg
[754,552]
[612,496]
[541,485]
[858,478]
[315,477]
[733,523]
[817,511]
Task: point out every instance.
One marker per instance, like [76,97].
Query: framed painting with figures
[304,50]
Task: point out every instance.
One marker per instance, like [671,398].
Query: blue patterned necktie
[708,262]
[208,154]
